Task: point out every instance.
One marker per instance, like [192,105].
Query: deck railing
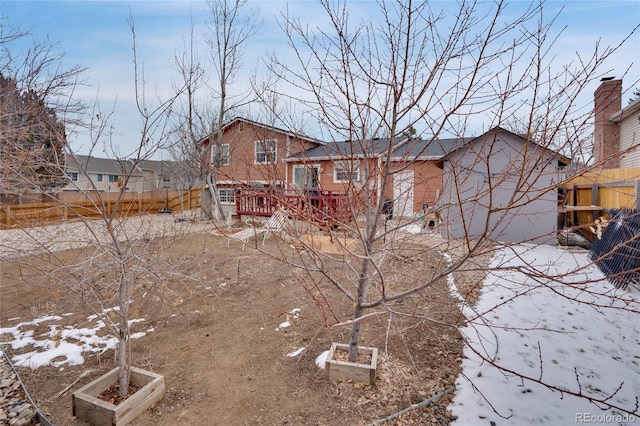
[326,208]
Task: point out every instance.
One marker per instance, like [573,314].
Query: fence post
[8,215]
[575,203]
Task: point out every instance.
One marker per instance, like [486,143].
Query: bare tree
[118,258]
[231,25]
[130,258]
[370,83]
[193,125]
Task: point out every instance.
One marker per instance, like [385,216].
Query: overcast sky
[96,34]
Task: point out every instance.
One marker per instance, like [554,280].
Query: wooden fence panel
[73,206]
[592,194]
[629,174]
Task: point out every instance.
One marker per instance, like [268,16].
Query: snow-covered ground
[578,334]
[59,346]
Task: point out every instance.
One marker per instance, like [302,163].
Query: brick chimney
[607,101]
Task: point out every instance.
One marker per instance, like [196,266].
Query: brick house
[252,154]
[277,161]
[418,179]
[350,167]
[260,156]
[617,129]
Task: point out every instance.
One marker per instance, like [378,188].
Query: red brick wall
[241,137]
[606,144]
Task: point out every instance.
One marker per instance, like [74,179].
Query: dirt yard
[213,329]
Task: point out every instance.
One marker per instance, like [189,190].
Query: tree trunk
[363,290]
[217,212]
[205,201]
[123,346]
[354,338]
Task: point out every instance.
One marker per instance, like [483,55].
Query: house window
[220,157]
[346,171]
[306,176]
[227,195]
[113,178]
[240,127]
[73,176]
[98,177]
[265,151]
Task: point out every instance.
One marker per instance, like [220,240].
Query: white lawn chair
[275,224]
[244,235]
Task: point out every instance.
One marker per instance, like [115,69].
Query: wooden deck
[325,208]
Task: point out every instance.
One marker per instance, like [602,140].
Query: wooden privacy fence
[593,194]
[73,206]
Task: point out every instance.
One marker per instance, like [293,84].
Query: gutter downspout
[378,183]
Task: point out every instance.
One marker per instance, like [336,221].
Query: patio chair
[275,224]
[244,235]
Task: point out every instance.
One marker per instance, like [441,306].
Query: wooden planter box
[344,370]
[88,407]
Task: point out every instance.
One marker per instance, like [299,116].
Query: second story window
[220,157]
[113,178]
[98,177]
[265,151]
[73,176]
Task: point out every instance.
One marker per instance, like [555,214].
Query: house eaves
[561,158]
[346,150]
[90,164]
[398,159]
[625,112]
[266,127]
[427,149]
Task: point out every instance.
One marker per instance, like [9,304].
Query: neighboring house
[172,175]
[252,154]
[617,130]
[84,172]
[503,186]
[106,174]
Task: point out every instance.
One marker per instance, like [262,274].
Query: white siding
[84,184]
[630,137]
